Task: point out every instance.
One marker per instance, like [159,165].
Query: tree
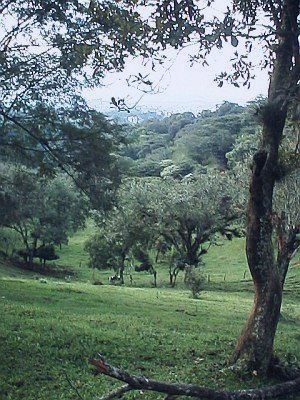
[178,23]
[46,253]
[195,141]
[285,215]
[57,40]
[254,350]
[189,212]
[18,206]
[286,191]
[112,244]
[211,136]
[48,52]
[69,141]
[122,231]
[39,210]
[62,210]
[287,221]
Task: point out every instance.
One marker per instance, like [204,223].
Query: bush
[194,280]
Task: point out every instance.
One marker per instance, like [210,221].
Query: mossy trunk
[255,345]
[254,349]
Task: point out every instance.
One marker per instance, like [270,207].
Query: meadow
[50,327]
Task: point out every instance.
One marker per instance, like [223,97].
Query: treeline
[159,190]
[184,143]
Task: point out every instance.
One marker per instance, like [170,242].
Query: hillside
[51,327]
[183,143]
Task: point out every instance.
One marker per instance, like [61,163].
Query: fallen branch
[116,393]
[72,385]
[181,389]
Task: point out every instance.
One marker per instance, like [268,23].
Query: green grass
[74,256]
[49,328]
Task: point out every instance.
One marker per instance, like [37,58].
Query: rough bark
[254,348]
[182,389]
[287,244]
[255,345]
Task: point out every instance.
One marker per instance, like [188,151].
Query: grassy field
[50,328]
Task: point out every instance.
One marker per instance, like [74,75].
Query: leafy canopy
[48,210]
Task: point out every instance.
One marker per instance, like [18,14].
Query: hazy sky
[180,87]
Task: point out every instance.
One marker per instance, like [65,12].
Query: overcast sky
[180,87]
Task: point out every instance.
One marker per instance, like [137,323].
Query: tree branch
[182,389]
[46,147]
[73,386]
[116,393]
[274,13]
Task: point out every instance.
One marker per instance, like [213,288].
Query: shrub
[194,280]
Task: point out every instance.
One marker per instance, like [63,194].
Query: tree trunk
[192,255]
[254,349]
[255,346]
[287,244]
[155,276]
[32,253]
[121,269]
[170,275]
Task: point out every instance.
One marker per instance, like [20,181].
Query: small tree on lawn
[189,212]
[39,209]
[122,230]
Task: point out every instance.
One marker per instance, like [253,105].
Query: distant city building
[133,119]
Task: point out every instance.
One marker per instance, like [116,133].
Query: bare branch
[116,393]
[73,386]
[182,389]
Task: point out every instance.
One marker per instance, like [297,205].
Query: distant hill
[183,143]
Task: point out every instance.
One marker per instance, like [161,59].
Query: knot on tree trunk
[259,161]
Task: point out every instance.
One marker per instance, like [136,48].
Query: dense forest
[184,143]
